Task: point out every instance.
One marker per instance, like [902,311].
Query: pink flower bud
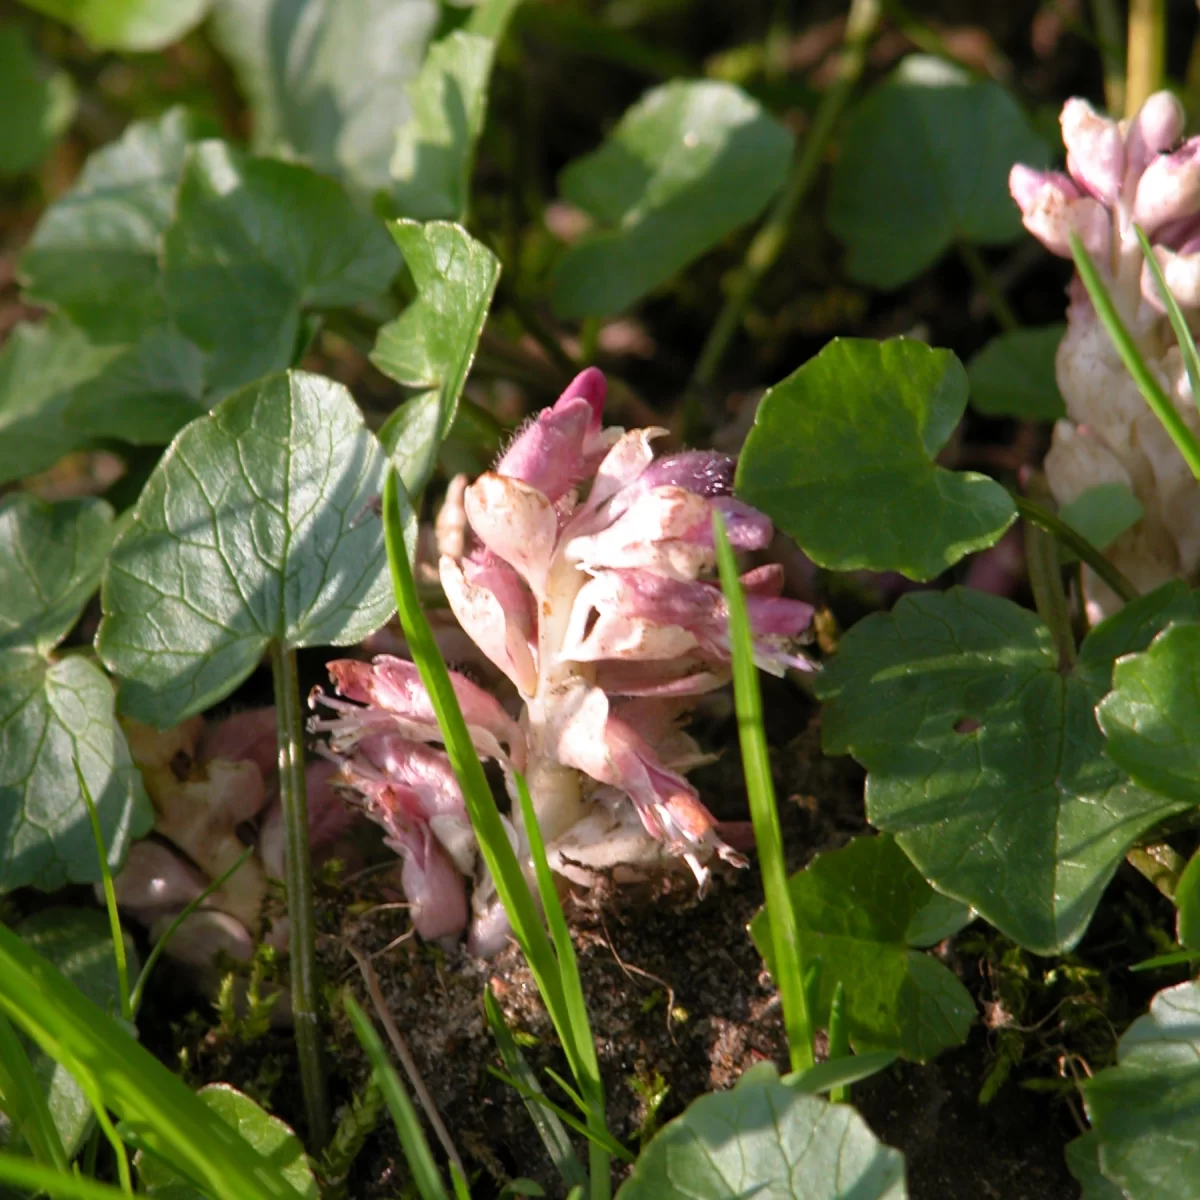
[1095,150]
[1052,207]
[1169,189]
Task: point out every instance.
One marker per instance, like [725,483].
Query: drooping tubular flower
[583,568]
[1121,175]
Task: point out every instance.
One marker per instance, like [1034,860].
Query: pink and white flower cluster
[1122,175]
[582,567]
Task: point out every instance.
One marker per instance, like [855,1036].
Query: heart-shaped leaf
[327,79]
[1014,376]
[1083,1161]
[924,163]
[255,527]
[35,105]
[78,941]
[770,1141]
[435,147]
[126,24]
[52,716]
[267,1134]
[985,758]
[51,556]
[842,458]
[687,165]
[431,345]
[857,910]
[1145,1111]
[254,244]
[94,254]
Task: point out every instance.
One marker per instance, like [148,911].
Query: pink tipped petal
[515,522]
[767,580]
[1051,208]
[1155,130]
[1169,189]
[565,442]
[249,736]
[1095,150]
[1182,275]
[422,771]
[432,885]
[704,472]
[623,464]
[156,878]
[682,677]
[500,632]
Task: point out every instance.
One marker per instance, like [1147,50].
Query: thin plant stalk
[756,763]
[1145,53]
[1049,595]
[1084,550]
[839,1040]
[110,897]
[25,1101]
[1152,391]
[124,1176]
[1005,317]
[1111,40]
[1183,335]
[298,873]
[769,241]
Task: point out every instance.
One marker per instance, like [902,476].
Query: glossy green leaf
[36,106]
[431,345]
[1101,514]
[254,244]
[1014,376]
[53,714]
[687,165]
[842,458]
[273,1139]
[766,1140]
[327,79]
[985,758]
[1150,717]
[126,24]
[1145,1111]
[854,908]
[1187,901]
[94,254]
[255,527]
[435,147]
[1083,1161]
[51,556]
[79,943]
[924,162]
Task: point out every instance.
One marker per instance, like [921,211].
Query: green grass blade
[550,1128]
[841,1072]
[1183,335]
[25,1103]
[839,1039]
[118,1072]
[156,951]
[1152,391]
[756,763]
[408,1124]
[59,1185]
[110,897]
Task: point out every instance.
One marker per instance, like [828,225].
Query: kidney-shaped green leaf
[254,244]
[924,162]
[985,758]
[856,911]
[52,715]
[255,527]
[1146,1110]
[78,941]
[326,79]
[431,345]
[1013,375]
[685,166]
[841,457]
[770,1141]
[35,105]
[51,556]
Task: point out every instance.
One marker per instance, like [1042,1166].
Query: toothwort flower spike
[582,568]
[1122,176]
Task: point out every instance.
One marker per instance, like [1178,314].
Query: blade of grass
[60,1185]
[519,902]
[408,1125]
[120,1074]
[1183,335]
[839,1040]
[1152,391]
[756,763]
[550,1128]
[841,1072]
[25,1103]
[156,951]
[110,897]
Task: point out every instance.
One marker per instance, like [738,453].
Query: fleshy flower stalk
[583,569]
[1121,175]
